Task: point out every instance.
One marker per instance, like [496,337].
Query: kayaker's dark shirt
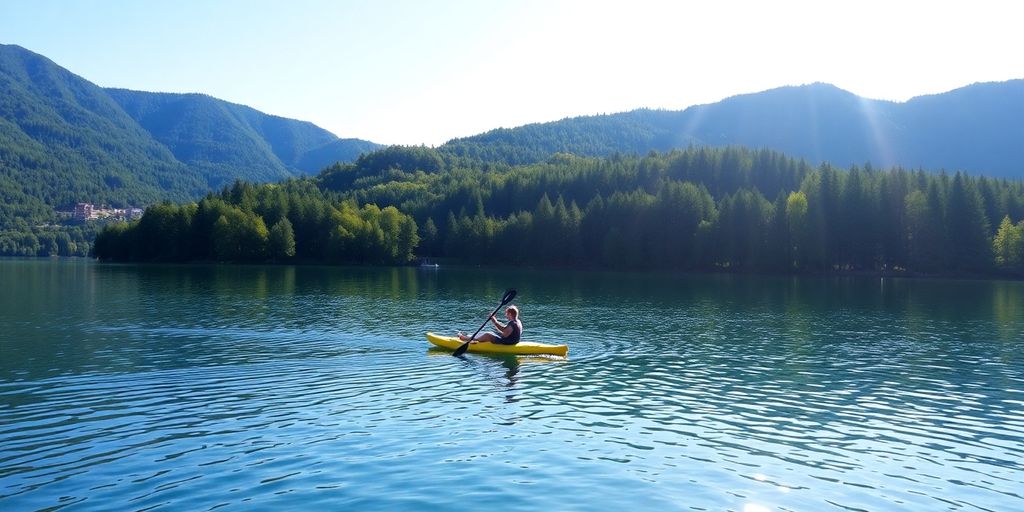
[512,339]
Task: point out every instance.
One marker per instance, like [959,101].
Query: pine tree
[967,224]
[281,243]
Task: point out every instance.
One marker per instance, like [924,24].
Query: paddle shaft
[509,295]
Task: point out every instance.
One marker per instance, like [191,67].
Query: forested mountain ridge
[976,129]
[743,205]
[220,137]
[65,140]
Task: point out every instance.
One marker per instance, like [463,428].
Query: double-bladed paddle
[509,295]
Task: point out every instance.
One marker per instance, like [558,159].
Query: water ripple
[314,388]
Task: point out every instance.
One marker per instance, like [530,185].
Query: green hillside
[221,139]
[64,140]
[635,132]
[204,134]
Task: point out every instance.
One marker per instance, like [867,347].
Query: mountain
[978,128]
[220,138]
[338,150]
[64,140]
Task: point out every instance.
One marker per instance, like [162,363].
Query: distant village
[88,211]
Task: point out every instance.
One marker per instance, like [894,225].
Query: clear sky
[426,71]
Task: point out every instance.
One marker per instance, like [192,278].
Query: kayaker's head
[512,312]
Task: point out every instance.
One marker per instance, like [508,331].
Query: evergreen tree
[281,242]
[1008,245]
[967,224]
[429,238]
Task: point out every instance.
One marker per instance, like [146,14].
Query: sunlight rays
[880,133]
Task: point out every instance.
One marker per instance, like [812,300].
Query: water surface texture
[246,388]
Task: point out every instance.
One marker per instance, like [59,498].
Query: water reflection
[502,370]
[199,387]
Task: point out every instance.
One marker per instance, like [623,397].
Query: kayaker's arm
[501,328]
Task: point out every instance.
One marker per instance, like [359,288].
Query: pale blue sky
[423,72]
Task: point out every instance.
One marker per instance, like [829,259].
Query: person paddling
[508,334]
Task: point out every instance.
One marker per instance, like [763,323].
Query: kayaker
[508,334]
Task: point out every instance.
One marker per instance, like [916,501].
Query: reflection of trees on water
[1007,305]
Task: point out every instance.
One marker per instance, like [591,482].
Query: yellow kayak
[523,347]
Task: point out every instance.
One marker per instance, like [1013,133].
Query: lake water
[246,388]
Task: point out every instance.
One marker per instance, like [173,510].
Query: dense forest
[699,209]
[48,241]
[289,222]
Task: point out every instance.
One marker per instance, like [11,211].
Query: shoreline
[445,263]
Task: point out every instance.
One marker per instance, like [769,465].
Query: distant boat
[427,264]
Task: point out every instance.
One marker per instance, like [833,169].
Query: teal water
[247,388]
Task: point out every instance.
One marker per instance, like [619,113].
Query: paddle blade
[461,350]
[509,295]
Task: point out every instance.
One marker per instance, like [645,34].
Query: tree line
[698,209]
[48,240]
[246,223]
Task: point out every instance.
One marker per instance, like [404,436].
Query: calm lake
[294,388]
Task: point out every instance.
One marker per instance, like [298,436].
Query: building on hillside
[84,211]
